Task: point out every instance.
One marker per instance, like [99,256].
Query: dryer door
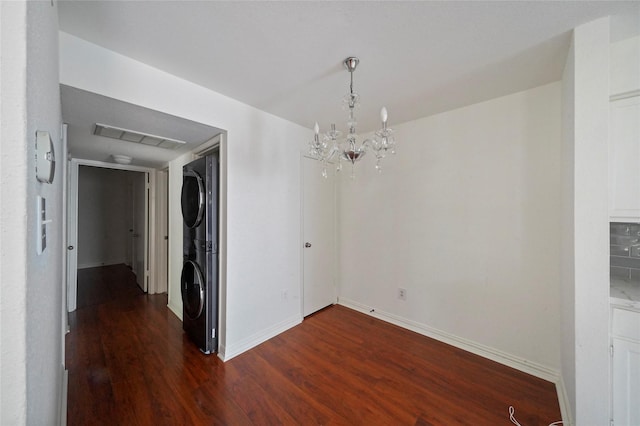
[193,198]
[193,288]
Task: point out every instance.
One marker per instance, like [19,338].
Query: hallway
[125,353]
[106,284]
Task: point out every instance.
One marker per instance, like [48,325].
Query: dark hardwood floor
[105,284]
[130,364]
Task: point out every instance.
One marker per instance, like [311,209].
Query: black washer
[193,198]
[193,290]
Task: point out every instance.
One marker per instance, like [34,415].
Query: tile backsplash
[624,240]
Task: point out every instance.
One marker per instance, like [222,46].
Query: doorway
[104,230]
[112,218]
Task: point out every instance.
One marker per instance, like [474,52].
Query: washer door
[193,198]
[193,288]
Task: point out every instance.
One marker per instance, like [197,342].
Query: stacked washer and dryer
[199,280]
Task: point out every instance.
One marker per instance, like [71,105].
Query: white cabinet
[624,160]
[625,340]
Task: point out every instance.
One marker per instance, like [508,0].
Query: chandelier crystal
[332,145]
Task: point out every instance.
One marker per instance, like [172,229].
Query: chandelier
[332,145]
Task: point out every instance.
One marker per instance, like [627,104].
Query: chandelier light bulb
[383,114]
[316,128]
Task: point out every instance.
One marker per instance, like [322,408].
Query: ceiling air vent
[136,137]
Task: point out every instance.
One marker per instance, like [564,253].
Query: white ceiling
[416,58]
[81,110]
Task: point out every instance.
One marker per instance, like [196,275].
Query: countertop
[625,292]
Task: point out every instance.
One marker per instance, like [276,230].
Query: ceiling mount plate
[351,63]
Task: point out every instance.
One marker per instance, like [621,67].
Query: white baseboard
[64,392]
[563,400]
[177,310]
[222,350]
[104,263]
[496,355]
[225,353]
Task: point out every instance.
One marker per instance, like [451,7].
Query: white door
[319,255]
[626,382]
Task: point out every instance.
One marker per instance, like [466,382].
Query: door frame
[162,228]
[134,230]
[72,225]
[219,143]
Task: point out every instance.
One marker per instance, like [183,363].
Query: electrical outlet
[402,294]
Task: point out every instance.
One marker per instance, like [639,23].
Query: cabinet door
[626,382]
[624,160]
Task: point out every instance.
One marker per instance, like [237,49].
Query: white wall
[567,256]
[13,227]
[32,288]
[175,234]
[263,186]
[465,218]
[625,65]
[585,277]
[104,216]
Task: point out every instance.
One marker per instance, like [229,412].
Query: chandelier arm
[332,153]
